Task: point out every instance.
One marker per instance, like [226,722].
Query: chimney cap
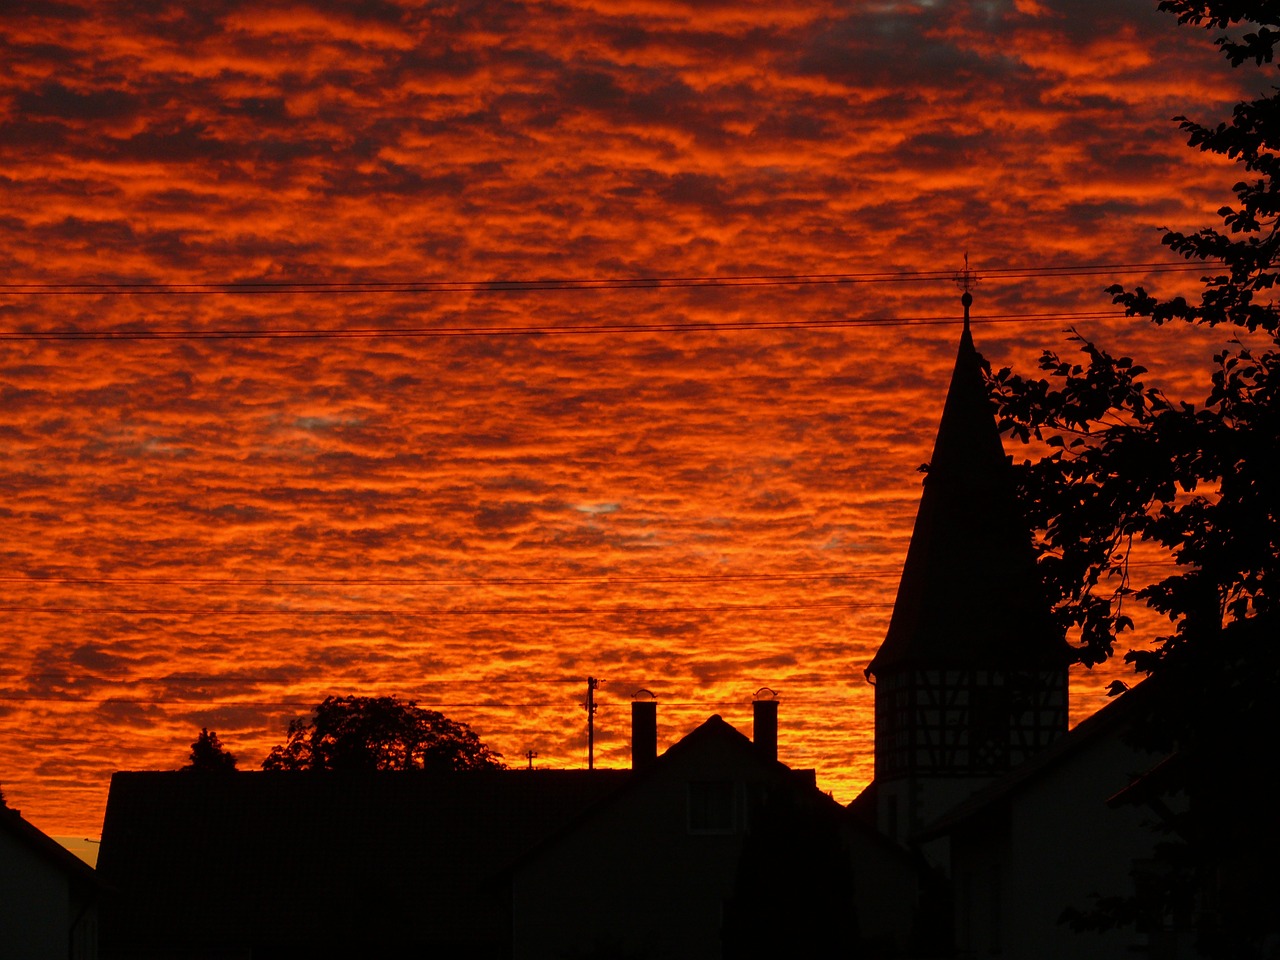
[765,693]
[644,694]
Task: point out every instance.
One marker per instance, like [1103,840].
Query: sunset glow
[442,493]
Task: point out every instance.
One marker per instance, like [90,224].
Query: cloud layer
[220,532]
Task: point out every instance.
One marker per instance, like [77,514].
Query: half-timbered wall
[965,723]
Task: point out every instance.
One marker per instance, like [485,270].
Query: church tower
[971,679]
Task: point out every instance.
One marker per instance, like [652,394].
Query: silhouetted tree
[380,733]
[1199,482]
[208,754]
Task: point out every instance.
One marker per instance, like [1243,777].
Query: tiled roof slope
[970,595]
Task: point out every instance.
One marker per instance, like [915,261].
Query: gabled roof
[970,594]
[715,730]
[726,743]
[327,859]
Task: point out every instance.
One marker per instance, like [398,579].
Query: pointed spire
[970,594]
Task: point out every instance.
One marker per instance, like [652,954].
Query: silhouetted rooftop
[321,859]
[48,849]
[970,594]
[713,733]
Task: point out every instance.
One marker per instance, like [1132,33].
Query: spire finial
[966,279]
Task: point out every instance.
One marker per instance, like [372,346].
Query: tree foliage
[1130,464]
[209,755]
[1197,481]
[380,733]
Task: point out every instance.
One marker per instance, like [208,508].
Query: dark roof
[12,823]
[1116,714]
[716,728]
[863,806]
[262,858]
[713,733]
[970,594]
[1149,786]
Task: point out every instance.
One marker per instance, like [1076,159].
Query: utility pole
[592,685]
[530,754]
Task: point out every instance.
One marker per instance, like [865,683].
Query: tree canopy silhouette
[209,755]
[380,733]
[1197,481]
[1131,465]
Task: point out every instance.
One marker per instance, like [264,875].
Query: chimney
[644,729]
[764,709]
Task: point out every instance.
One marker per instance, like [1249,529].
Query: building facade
[971,679]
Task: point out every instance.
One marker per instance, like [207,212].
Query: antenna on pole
[592,685]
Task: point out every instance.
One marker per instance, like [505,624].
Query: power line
[667,678]
[457,581]
[603,579]
[200,702]
[547,285]
[546,330]
[416,613]
[66,677]
[307,704]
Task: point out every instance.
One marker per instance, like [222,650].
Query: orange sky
[221,532]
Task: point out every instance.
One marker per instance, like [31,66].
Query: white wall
[1051,845]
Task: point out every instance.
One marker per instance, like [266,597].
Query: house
[313,864]
[1126,837]
[705,851]
[48,896]
[716,849]
[1047,839]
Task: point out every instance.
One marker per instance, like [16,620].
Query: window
[712,806]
